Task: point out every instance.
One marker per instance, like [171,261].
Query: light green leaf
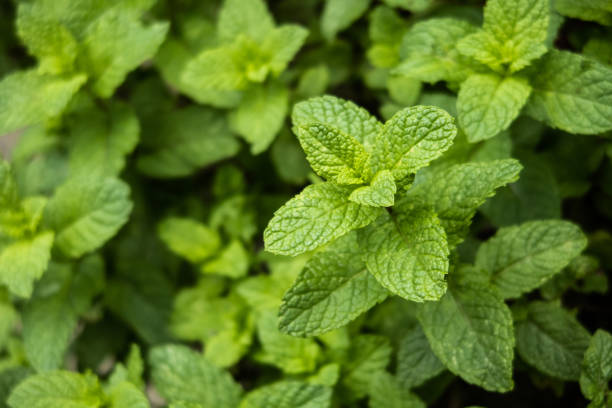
[589,10]
[283,43]
[188,238]
[455,192]
[126,395]
[552,340]
[386,392]
[380,192]
[316,216]
[416,362]
[340,114]
[333,289]
[522,257]
[340,14]
[215,69]
[487,104]
[27,97]
[470,330]
[288,394]
[233,261]
[572,93]
[85,212]
[333,154]
[23,262]
[597,367]
[244,17]
[411,139]
[183,375]
[513,34]
[367,357]
[58,389]
[408,254]
[261,114]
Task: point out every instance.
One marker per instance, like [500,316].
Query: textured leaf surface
[289,394]
[380,192]
[552,340]
[521,258]
[470,330]
[333,289]
[416,362]
[408,254]
[340,14]
[411,139]
[183,375]
[597,367]
[85,212]
[316,216]
[572,93]
[487,104]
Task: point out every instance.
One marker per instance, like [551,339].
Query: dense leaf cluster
[305,203]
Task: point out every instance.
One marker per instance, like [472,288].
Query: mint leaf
[188,238]
[589,10]
[124,395]
[572,93]
[333,289]
[407,253]
[316,216]
[283,43]
[183,376]
[597,367]
[521,258]
[487,104]
[552,340]
[233,261]
[380,192]
[386,392]
[244,17]
[87,211]
[411,139]
[470,330]
[416,362]
[288,394]
[340,14]
[216,69]
[366,358]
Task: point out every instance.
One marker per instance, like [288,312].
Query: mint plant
[317,204]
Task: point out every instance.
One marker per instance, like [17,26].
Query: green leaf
[28,98]
[416,362]
[552,340]
[24,261]
[340,114]
[85,212]
[411,139]
[333,289]
[333,154]
[407,253]
[455,192]
[367,357]
[184,376]
[244,17]
[115,44]
[386,392]
[233,261]
[597,367]
[513,34]
[380,192]
[283,43]
[487,104]
[470,330]
[572,93]
[57,389]
[288,394]
[316,216]
[188,238]
[522,257]
[216,69]
[340,14]
[126,395]
[261,114]
[589,10]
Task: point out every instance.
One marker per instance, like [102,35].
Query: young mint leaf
[233,261]
[184,376]
[333,154]
[340,114]
[470,330]
[386,31]
[386,392]
[487,104]
[597,368]
[416,362]
[340,14]
[572,93]
[57,389]
[407,253]
[411,139]
[126,395]
[589,10]
[380,192]
[552,340]
[455,192]
[366,358]
[244,17]
[283,43]
[513,34]
[28,98]
[333,289]
[188,238]
[316,216]
[522,257]
[86,211]
[216,69]
[288,394]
